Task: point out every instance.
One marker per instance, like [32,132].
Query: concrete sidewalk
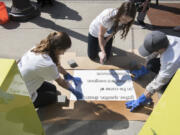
[74,18]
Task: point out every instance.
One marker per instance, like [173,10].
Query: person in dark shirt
[142,7]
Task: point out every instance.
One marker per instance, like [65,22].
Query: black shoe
[141,23]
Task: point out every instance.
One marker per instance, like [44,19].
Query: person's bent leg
[47,94]
[108,48]
[141,15]
[93,47]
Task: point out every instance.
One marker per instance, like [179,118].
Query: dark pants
[154,66]
[93,47]
[47,94]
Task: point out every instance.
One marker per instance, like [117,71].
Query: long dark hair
[54,41]
[126,9]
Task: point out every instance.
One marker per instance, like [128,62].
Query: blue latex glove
[138,73]
[77,93]
[76,80]
[142,100]
[68,77]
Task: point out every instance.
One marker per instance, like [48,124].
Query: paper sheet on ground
[105,85]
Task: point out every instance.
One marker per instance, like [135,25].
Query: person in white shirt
[104,27]
[41,64]
[165,66]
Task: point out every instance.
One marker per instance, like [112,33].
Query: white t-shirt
[170,62]
[35,69]
[104,18]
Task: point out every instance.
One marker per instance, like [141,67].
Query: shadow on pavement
[166,8]
[166,29]
[124,59]
[85,118]
[82,110]
[10,24]
[58,11]
[76,127]
[61,11]
[129,61]
[45,23]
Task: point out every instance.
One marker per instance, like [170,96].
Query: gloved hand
[138,73]
[77,93]
[76,80]
[142,100]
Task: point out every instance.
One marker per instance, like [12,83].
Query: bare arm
[109,37]
[62,70]
[102,41]
[164,76]
[62,83]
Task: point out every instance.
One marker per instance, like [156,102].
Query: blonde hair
[54,41]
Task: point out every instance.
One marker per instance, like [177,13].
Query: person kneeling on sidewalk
[41,64]
[167,48]
[104,27]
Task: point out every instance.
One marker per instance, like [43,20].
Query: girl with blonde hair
[42,64]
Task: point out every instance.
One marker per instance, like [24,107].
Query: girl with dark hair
[104,27]
[41,64]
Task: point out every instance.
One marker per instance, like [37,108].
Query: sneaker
[141,23]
